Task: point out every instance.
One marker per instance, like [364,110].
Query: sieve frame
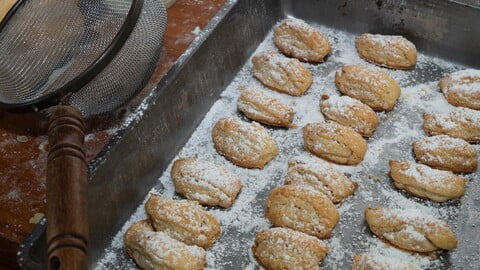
[60,95]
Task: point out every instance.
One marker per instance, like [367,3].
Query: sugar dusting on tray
[397,130]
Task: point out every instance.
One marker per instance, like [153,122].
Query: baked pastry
[295,38]
[375,261]
[156,250]
[446,153]
[286,75]
[460,123]
[283,248]
[349,112]
[245,144]
[320,176]
[425,182]
[462,88]
[302,209]
[183,220]
[261,107]
[410,230]
[334,142]
[371,86]
[205,182]
[388,51]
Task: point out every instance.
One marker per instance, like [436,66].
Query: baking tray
[153,135]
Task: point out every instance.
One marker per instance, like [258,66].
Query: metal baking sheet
[446,34]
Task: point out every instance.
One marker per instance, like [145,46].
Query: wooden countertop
[24,146]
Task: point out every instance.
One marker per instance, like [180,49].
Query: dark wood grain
[24,143]
[67,233]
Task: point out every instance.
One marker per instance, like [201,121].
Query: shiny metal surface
[131,164]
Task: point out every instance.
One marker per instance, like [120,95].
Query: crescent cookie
[410,230]
[349,112]
[446,153]
[183,220]
[374,87]
[295,38]
[389,51]
[261,107]
[425,182]
[244,144]
[334,142]
[320,176]
[286,75]
[462,88]
[205,182]
[156,250]
[460,123]
[301,209]
[283,248]
[374,261]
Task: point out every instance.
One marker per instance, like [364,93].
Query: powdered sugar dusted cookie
[302,209]
[320,176]
[462,123]
[349,112]
[462,88]
[425,182]
[386,50]
[410,229]
[374,87]
[295,38]
[375,261]
[205,182]
[334,142]
[446,153]
[183,220]
[286,75]
[156,250]
[257,105]
[245,144]
[283,248]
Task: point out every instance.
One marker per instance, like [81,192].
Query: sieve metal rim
[57,96]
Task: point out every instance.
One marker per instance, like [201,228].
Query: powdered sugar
[392,141]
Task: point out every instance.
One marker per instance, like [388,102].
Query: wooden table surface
[24,146]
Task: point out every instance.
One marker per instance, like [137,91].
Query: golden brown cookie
[462,88]
[245,144]
[388,51]
[302,209]
[183,220]
[205,182]
[349,112]
[286,75]
[410,229]
[261,107]
[446,153]
[156,250]
[373,87]
[320,176]
[295,38]
[375,261]
[462,123]
[425,182]
[334,142]
[283,248]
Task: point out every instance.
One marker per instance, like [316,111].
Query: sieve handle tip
[66,191]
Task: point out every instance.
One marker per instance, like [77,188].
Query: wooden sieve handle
[5,6]
[66,191]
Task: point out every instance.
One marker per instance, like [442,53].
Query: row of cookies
[302,212]
[447,150]
[177,231]
[440,156]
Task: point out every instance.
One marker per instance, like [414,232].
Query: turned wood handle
[66,191]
